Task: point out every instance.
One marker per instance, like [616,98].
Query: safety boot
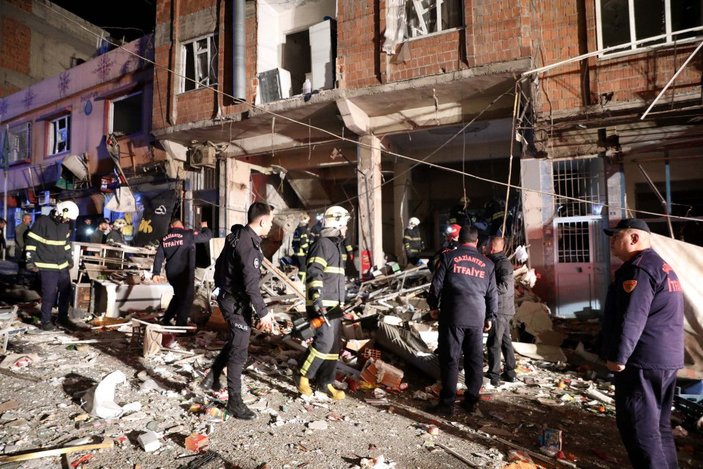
[236,407]
[304,386]
[211,382]
[334,393]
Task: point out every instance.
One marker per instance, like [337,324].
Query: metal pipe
[661,199]
[239,86]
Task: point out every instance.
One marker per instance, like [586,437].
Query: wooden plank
[12,374]
[282,277]
[106,443]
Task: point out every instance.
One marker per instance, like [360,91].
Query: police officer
[237,275]
[412,241]
[463,297]
[643,344]
[49,252]
[301,244]
[177,248]
[325,291]
[499,336]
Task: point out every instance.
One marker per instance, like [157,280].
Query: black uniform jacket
[49,244]
[412,242]
[239,271]
[178,249]
[325,280]
[464,288]
[505,283]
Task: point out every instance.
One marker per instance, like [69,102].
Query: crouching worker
[325,291]
[237,275]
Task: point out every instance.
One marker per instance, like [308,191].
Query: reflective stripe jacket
[301,241]
[464,288]
[325,278]
[412,242]
[644,314]
[49,245]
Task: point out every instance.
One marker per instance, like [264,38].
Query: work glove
[318,308]
[70,263]
[32,267]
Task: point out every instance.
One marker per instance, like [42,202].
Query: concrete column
[401,202]
[235,193]
[369,189]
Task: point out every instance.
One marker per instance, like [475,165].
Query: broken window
[59,135]
[296,58]
[651,21]
[126,115]
[432,16]
[200,63]
[19,143]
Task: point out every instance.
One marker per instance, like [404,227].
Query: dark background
[128,19]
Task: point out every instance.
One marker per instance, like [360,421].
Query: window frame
[638,46]
[13,133]
[51,144]
[212,54]
[111,113]
[438,21]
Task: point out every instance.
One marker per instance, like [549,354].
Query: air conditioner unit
[274,85]
[202,155]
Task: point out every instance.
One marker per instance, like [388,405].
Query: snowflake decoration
[29,98]
[104,66]
[64,81]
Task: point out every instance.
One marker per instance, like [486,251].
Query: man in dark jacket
[301,244]
[643,344]
[237,275]
[99,236]
[412,241]
[325,291]
[499,335]
[49,252]
[463,297]
[177,248]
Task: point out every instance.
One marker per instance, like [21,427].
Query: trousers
[182,301]
[499,341]
[234,354]
[453,341]
[55,284]
[321,360]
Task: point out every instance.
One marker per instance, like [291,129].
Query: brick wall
[15,46]
[495,31]
[202,104]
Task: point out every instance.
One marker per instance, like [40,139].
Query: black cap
[627,223]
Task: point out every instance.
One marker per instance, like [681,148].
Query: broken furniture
[151,336]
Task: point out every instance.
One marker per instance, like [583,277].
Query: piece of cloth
[233,356]
[453,341]
[464,288]
[49,245]
[643,316]
[643,399]
[499,341]
[238,269]
[55,284]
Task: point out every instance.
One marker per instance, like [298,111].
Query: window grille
[578,179]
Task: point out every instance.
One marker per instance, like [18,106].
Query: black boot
[236,407]
[211,381]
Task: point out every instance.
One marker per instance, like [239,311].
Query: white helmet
[413,222]
[335,217]
[304,219]
[119,223]
[67,209]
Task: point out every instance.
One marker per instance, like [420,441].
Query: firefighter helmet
[67,210]
[413,222]
[335,217]
[119,223]
[453,232]
[304,219]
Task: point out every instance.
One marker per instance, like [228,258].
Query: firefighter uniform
[412,242]
[325,290]
[237,275]
[177,248]
[301,245]
[464,290]
[49,251]
[643,330]
[499,340]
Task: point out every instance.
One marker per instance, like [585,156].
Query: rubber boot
[236,407]
[211,381]
[304,386]
[334,393]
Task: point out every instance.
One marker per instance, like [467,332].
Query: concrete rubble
[96,384]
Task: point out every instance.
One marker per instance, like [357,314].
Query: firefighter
[463,298]
[49,253]
[237,275]
[412,242]
[451,241]
[325,291]
[177,248]
[301,244]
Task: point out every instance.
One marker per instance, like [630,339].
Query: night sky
[130,19]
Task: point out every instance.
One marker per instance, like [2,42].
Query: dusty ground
[289,432]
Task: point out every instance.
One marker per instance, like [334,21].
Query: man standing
[643,344]
[412,242]
[49,252]
[463,297]
[237,275]
[301,244]
[21,235]
[99,236]
[499,335]
[177,248]
[325,291]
